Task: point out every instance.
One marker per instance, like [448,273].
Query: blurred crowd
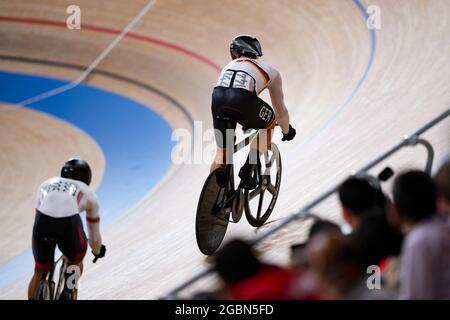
[399,248]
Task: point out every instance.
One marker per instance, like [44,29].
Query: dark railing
[411,140]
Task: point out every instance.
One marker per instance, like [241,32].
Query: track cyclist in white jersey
[235,97]
[60,200]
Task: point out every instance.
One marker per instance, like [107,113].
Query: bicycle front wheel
[259,203]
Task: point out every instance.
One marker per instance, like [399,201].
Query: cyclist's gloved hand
[99,255]
[290,135]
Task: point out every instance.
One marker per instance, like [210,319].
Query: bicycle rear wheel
[268,172]
[211,221]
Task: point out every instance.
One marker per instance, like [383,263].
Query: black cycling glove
[101,254]
[290,135]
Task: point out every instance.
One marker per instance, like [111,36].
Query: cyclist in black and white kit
[235,96]
[60,200]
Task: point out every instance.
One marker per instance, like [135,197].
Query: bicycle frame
[229,169]
[62,278]
[55,292]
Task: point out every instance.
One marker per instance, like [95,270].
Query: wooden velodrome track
[352,93]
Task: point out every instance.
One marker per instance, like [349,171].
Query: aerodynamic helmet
[77,169]
[246,45]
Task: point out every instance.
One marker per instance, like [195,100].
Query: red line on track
[132,35]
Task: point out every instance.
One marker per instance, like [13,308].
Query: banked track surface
[323,50]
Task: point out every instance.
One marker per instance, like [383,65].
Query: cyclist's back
[250,74]
[59,202]
[62,197]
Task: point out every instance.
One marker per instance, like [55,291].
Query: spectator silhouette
[339,266]
[319,227]
[364,208]
[425,259]
[442,180]
[247,278]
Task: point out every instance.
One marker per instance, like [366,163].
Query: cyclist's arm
[93,224]
[277,97]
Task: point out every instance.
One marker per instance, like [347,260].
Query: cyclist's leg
[38,275]
[221,151]
[259,115]
[220,100]
[74,244]
[265,121]
[225,141]
[219,160]
[43,252]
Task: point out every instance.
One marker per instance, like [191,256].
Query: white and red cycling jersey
[256,75]
[251,74]
[61,197]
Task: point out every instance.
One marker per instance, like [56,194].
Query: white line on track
[94,64]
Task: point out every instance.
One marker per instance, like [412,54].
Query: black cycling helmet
[77,169]
[246,45]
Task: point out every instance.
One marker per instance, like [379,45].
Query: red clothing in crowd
[270,283]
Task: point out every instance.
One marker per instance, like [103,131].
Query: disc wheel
[211,221]
[260,202]
[238,206]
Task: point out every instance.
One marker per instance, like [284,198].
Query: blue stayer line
[136,143]
[343,105]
